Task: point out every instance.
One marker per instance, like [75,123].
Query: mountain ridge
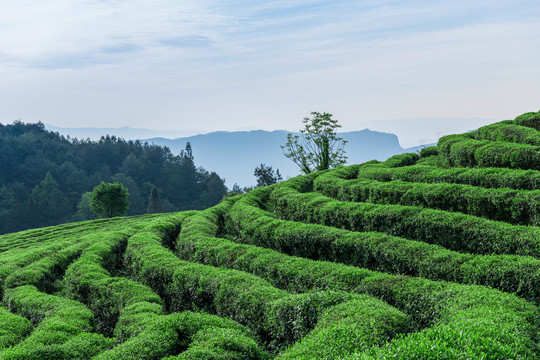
[225,152]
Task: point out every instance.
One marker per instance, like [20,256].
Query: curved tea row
[410,258]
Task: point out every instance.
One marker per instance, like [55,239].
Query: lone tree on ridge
[317,147]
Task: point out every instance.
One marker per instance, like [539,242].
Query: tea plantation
[424,256]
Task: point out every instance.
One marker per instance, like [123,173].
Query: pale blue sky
[228,65]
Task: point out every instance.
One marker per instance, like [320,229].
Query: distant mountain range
[235,155]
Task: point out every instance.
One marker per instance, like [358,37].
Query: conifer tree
[154,204]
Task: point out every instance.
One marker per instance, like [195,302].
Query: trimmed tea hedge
[488,178]
[237,295]
[13,328]
[453,231]
[447,305]
[513,206]
[188,335]
[460,150]
[62,327]
[381,252]
[531,119]
[507,131]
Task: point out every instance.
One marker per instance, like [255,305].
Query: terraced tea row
[505,144]
[381,252]
[405,259]
[507,205]
[432,306]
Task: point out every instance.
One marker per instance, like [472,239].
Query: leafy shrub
[402,160]
[513,156]
[429,151]
[514,206]
[487,177]
[451,230]
[507,131]
[530,119]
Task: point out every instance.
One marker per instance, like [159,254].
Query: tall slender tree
[154,204]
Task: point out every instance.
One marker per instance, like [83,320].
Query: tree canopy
[109,200]
[44,175]
[266,176]
[317,147]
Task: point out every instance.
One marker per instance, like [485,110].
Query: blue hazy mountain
[235,155]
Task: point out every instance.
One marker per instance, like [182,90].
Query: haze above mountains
[234,155]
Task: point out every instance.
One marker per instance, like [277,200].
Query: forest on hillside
[45,177]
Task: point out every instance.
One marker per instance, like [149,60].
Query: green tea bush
[13,328]
[400,160]
[513,156]
[347,328]
[464,151]
[445,143]
[449,306]
[453,231]
[62,327]
[121,306]
[488,177]
[507,131]
[429,151]
[187,335]
[287,318]
[45,271]
[531,119]
[513,206]
[381,252]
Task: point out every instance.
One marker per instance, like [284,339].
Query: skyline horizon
[416,136]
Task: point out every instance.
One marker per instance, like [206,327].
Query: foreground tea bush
[531,119]
[277,317]
[62,327]
[433,306]
[13,328]
[509,131]
[188,336]
[381,252]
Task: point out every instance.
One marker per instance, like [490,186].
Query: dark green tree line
[45,178]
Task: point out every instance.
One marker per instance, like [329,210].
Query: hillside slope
[417,257]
